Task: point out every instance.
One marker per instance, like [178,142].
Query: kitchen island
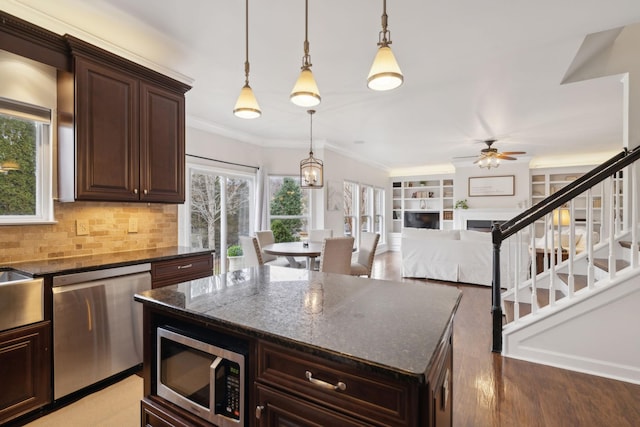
[322,348]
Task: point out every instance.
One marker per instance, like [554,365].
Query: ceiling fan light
[247,105]
[385,73]
[305,92]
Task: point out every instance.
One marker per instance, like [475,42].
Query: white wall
[520,170]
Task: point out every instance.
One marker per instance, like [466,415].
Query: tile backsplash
[108,225]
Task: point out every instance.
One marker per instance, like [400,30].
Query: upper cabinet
[121,129]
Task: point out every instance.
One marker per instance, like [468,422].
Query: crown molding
[56,25]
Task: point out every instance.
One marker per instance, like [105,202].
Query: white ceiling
[473,70]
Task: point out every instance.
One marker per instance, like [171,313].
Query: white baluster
[631,197]
[534,273]
[590,270]
[612,225]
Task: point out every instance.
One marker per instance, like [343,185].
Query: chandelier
[311,169]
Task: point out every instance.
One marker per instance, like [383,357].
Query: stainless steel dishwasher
[97,326]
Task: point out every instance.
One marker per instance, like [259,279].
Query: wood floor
[489,390]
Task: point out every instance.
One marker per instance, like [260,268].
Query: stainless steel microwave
[200,377]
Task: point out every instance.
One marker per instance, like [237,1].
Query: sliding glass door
[220,208]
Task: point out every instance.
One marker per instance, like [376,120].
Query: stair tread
[603,263]
[525,308]
[579,280]
[542,295]
[626,244]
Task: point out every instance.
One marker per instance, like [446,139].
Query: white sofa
[458,256]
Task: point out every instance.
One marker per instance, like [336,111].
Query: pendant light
[305,93]
[247,105]
[385,72]
[311,169]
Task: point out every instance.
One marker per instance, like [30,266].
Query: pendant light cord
[306,59]
[383,41]
[311,112]
[246,45]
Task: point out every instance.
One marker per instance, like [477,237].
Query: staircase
[580,310]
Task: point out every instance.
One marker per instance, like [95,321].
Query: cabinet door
[161,145]
[25,369]
[278,409]
[107,112]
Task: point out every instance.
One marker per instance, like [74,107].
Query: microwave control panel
[228,395]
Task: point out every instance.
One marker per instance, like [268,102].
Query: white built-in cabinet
[422,194]
[545,182]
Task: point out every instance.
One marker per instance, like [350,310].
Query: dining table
[290,250]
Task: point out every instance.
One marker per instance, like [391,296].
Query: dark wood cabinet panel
[25,369]
[279,409]
[161,145]
[107,133]
[129,129]
[178,270]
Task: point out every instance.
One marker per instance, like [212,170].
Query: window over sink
[25,163]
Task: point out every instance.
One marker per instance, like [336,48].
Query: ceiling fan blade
[465,157]
[503,157]
[509,153]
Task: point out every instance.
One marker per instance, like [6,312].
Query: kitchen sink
[21,299]
[12,276]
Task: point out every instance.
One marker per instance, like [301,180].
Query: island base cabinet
[155,415]
[277,409]
[25,370]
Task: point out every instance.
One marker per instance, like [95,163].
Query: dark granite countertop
[108,260]
[389,327]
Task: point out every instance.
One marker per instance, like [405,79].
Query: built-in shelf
[423,194]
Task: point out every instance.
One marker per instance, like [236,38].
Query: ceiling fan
[490,157]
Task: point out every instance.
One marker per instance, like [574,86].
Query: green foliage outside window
[18,187]
[287,201]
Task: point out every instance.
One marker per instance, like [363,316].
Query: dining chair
[366,254]
[336,255]
[318,235]
[265,237]
[251,251]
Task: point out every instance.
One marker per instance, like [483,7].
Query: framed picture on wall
[484,186]
[335,199]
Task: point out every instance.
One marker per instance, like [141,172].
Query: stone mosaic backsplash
[110,227]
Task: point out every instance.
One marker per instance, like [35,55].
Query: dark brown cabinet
[128,129]
[178,270]
[25,369]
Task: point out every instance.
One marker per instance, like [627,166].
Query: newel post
[496,305]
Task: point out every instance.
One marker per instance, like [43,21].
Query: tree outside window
[289,208]
[18,145]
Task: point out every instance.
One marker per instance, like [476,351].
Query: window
[378,213]
[289,208]
[350,209]
[370,208]
[366,208]
[220,208]
[25,164]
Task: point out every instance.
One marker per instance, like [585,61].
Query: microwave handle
[212,382]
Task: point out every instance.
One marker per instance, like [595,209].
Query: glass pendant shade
[311,175]
[385,73]
[247,105]
[305,93]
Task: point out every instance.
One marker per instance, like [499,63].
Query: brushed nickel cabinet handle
[135,191]
[181,267]
[340,386]
[259,410]
[146,191]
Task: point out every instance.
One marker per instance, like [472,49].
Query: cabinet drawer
[178,270]
[363,394]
